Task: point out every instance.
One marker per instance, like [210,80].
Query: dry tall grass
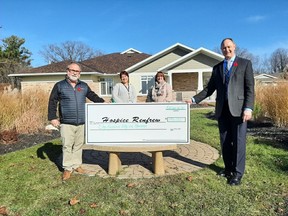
[272,102]
[28,113]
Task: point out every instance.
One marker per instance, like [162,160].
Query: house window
[146,83]
[106,86]
[206,78]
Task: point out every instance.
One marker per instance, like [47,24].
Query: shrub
[9,110]
[27,112]
[272,102]
[258,114]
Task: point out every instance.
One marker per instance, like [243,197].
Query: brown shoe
[81,171]
[66,175]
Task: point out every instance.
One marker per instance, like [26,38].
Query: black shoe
[234,181]
[225,174]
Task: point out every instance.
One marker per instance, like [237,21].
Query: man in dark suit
[234,82]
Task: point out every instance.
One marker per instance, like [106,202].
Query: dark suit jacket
[240,87]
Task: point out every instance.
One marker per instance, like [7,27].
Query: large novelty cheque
[143,123]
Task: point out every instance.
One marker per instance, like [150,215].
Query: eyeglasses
[72,70]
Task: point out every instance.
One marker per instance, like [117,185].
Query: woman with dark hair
[161,91]
[124,92]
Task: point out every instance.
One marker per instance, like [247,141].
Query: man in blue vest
[68,97]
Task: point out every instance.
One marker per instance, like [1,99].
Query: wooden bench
[115,165]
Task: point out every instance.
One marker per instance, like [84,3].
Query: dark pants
[233,141]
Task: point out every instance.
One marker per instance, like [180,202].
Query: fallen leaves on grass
[123,212]
[73,201]
[173,205]
[279,210]
[3,211]
[131,185]
[141,202]
[82,211]
[93,205]
[31,168]
[189,178]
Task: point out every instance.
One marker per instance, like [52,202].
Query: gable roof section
[265,76]
[189,56]
[130,50]
[159,55]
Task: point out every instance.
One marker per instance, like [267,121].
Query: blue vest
[72,102]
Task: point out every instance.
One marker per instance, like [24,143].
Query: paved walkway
[186,158]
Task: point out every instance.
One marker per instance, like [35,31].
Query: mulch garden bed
[27,140]
[270,134]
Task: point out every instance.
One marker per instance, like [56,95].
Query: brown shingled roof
[111,64]
[56,67]
[115,62]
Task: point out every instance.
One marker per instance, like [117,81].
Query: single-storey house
[186,69]
[265,79]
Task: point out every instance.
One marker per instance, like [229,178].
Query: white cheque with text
[143,123]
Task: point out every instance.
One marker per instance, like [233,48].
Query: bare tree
[279,60]
[263,65]
[244,53]
[69,50]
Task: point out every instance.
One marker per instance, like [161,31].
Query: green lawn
[31,184]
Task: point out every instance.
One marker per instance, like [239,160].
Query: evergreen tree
[13,58]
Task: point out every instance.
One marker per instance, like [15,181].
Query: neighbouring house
[186,69]
[266,79]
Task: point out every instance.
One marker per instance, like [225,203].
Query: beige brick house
[186,69]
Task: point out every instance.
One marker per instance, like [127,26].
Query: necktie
[226,72]
[227,76]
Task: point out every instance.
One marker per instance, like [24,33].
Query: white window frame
[108,85]
[149,81]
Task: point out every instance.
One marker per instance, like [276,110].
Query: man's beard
[73,78]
